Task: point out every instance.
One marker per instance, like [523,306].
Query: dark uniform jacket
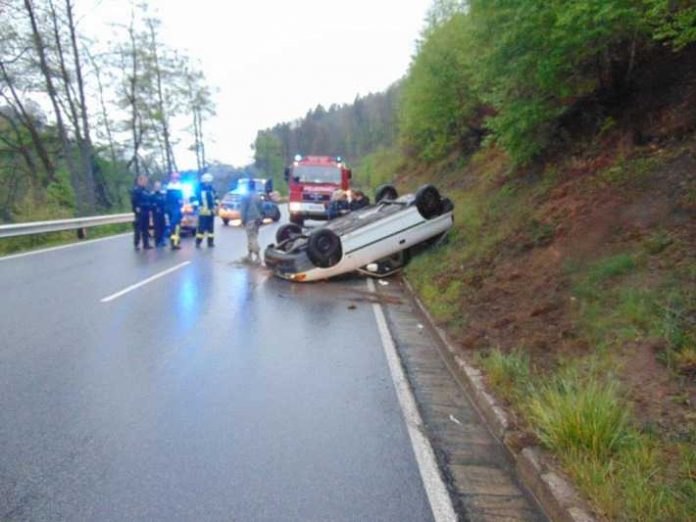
[207,199]
[140,199]
[159,202]
[174,198]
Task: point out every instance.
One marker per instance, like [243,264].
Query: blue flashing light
[187,190]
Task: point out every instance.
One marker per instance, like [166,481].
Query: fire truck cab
[312,181]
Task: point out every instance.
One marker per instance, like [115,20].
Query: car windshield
[317,174]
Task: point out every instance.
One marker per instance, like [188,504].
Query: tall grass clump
[508,373]
[580,416]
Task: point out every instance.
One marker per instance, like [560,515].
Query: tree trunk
[102,104]
[132,95]
[164,123]
[93,173]
[20,147]
[53,96]
[85,179]
[27,121]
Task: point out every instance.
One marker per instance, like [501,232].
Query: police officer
[174,201]
[207,200]
[140,203]
[159,208]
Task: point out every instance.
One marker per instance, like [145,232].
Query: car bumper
[293,266]
[229,214]
[308,210]
[189,223]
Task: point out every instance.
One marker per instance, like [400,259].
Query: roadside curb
[556,496]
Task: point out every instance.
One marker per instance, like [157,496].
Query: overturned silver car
[376,240]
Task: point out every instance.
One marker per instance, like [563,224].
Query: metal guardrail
[41,227]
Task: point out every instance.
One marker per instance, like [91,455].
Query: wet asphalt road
[213,393]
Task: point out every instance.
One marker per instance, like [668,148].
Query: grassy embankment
[572,287]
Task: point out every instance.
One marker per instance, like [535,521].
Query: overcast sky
[273,60]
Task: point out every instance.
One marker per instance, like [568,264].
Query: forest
[511,73]
[81,116]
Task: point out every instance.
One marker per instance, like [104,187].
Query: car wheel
[226,222]
[428,202]
[324,248]
[287,231]
[297,220]
[385,192]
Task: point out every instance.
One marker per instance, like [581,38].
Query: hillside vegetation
[564,133]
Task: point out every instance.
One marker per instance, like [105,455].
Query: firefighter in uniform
[140,203]
[207,200]
[174,201]
[159,208]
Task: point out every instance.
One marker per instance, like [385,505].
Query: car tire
[287,231]
[385,192]
[324,248]
[428,202]
[225,222]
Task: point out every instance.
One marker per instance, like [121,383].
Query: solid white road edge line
[144,282]
[440,501]
[62,247]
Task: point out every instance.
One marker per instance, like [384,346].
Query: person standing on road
[159,204]
[174,202]
[140,203]
[251,210]
[207,200]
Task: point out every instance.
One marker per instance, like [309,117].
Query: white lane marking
[440,501]
[62,247]
[144,282]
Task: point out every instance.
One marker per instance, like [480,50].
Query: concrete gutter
[557,497]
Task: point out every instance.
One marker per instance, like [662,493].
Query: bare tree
[40,49]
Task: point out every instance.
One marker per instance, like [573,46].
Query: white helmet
[207,178]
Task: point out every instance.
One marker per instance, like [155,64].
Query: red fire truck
[312,180]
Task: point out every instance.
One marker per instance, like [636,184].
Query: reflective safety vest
[207,200]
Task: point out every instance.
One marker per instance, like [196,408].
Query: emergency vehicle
[312,180]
